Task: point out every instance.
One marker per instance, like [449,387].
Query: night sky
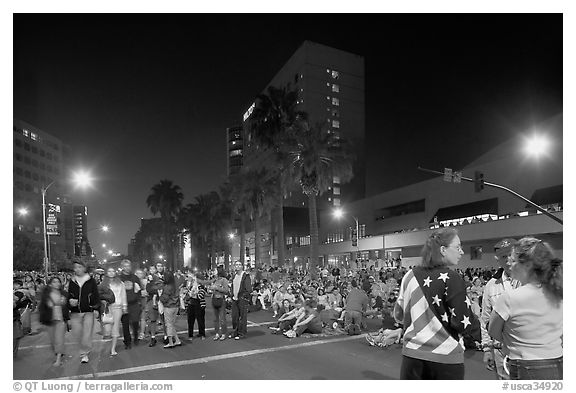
[140,98]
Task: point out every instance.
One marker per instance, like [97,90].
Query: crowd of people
[513,313]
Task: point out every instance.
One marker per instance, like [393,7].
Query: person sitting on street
[307,322]
[289,318]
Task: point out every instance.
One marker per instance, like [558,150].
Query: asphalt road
[260,355]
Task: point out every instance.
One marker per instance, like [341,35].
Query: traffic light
[354,238]
[478,181]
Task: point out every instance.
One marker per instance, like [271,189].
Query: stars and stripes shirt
[437,313]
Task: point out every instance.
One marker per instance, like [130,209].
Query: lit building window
[335,101]
[336,191]
[26,133]
[33,136]
[335,88]
[237,152]
[336,180]
[328,84]
[335,113]
[335,74]
[336,201]
[328,98]
[328,70]
[335,124]
[329,199]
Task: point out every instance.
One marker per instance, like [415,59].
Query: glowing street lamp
[23,211]
[81,179]
[103,245]
[536,145]
[105,228]
[230,236]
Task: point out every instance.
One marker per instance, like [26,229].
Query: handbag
[107,317]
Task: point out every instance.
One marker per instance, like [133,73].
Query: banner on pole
[52,220]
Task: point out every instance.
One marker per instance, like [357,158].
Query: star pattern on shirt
[436,300]
[427,282]
[466,321]
[452,311]
[468,303]
[445,317]
[443,277]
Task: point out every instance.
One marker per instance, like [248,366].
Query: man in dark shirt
[132,318]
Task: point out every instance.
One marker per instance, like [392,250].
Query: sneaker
[230,335]
[216,337]
[84,359]
[223,337]
[166,340]
[237,338]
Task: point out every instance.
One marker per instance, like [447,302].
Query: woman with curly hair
[528,320]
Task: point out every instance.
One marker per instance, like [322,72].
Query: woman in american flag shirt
[435,311]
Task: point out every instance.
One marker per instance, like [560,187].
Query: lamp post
[81,179]
[339,213]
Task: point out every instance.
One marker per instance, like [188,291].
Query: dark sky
[140,98]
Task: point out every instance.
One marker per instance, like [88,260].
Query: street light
[536,145]
[338,214]
[105,228]
[103,245]
[82,179]
[23,211]
[230,236]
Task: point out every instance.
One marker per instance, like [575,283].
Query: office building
[235,152]
[330,87]
[40,159]
[81,244]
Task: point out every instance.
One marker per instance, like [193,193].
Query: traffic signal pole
[500,187]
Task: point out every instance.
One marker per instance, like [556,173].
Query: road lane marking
[207,359]
[251,324]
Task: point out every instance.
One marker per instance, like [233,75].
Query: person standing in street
[436,313]
[83,300]
[53,312]
[119,307]
[529,320]
[220,289]
[132,318]
[196,305]
[171,302]
[499,284]
[154,284]
[241,290]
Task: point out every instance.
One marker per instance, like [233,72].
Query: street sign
[457,177]
[448,175]
[52,220]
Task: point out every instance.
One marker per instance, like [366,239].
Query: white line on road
[251,324]
[207,359]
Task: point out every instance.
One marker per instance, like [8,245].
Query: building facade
[39,160]
[235,152]
[394,225]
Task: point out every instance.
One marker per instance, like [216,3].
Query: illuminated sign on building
[249,111]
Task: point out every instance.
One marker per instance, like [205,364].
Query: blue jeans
[240,317]
[545,369]
[220,324]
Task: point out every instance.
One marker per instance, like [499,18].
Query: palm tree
[166,199]
[256,198]
[271,123]
[318,156]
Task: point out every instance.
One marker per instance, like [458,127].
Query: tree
[271,125]
[28,254]
[256,198]
[318,156]
[166,199]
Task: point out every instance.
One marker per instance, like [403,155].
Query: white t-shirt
[533,324]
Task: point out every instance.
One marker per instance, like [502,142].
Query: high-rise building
[330,86]
[235,150]
[81,244]
[40,160]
